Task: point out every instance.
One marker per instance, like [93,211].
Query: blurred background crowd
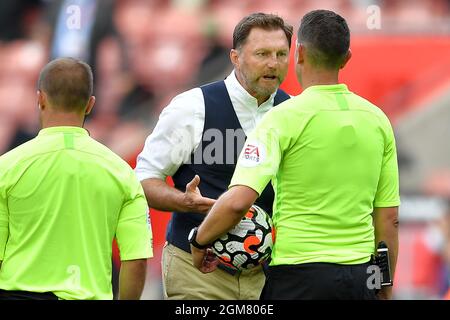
[144,52]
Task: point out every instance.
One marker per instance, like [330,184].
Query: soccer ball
[249,243]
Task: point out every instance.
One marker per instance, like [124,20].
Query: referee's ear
[346,59]
[89,105]
[299,54]
[41,100]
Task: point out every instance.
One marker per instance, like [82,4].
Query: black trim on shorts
[26,295]
[318,281]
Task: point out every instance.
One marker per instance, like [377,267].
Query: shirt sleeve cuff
[143,175]
[386,204]
[136,256]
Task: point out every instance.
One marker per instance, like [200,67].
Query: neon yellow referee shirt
[331,157]
[63,198]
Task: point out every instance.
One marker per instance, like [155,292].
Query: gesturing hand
[193,199]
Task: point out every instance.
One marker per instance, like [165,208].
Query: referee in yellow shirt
[63,199]
[331,157]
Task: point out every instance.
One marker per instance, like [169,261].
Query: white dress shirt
[180,127]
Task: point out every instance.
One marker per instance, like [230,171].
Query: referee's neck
[319,77]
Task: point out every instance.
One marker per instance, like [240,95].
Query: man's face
[262,61]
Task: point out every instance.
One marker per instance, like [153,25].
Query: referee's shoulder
[22,152]
[292,103]
[100,150]
[362,102]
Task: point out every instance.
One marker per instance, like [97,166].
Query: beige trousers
[182,281]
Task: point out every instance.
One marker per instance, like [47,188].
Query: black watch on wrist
[191,238]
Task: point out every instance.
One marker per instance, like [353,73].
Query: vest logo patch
[254,153]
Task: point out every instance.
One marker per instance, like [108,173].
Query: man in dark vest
[197,141]
[331,157]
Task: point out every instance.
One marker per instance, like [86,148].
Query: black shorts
[26,295]
[318,281]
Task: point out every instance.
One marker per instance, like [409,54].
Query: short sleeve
[387,194]
[260,157]
[134,232]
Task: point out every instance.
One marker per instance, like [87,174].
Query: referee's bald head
[67,83]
